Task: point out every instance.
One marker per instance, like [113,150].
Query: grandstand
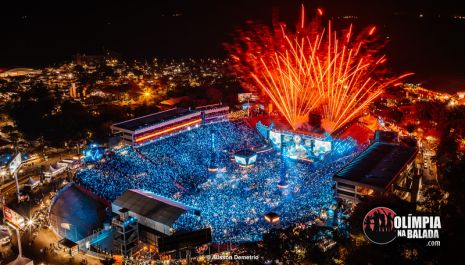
[161,124]
[214,113]
[153,126]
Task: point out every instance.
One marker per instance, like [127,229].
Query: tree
[32,110]
[433,199]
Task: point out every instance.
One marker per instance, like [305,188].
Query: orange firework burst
[311,69]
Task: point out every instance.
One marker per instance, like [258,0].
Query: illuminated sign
[15,163]
[321,147]
[240,160]
[299,146]
[14,218]
[252,159]
[272,218]
[275,138]
[245,97]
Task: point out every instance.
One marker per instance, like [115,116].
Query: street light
[3,173]
[30,224]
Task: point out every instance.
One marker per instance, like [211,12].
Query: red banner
[14,218]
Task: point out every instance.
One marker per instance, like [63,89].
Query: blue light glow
[233,203]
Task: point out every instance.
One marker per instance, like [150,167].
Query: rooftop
[377,166]
[153,119]
[67,243]
[151,206]
[209,107]
[386,136]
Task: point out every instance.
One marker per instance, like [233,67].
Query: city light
[30,222]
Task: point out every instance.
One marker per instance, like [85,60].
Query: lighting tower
[213,167]
[283,184]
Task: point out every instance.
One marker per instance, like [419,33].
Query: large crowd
[232,202]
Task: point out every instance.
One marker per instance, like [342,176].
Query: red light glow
[312,69]
[155,134]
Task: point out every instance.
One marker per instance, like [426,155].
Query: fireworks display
[311,68]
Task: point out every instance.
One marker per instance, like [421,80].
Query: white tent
[56,169]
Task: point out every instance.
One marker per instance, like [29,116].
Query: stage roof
[153,119]
[377,166]
[147,204]
[67,243]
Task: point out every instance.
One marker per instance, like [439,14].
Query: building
[165,123]
[386,136]
[55,169]
[72,91]
[154,126]
[382,169]
[126,236]
[155,214]
[214,113]
[20,72]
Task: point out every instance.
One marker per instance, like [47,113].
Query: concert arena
[234,173]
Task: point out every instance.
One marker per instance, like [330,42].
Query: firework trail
[311,68]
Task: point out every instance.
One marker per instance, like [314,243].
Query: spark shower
[310,68]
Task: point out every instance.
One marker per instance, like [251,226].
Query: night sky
[40,34]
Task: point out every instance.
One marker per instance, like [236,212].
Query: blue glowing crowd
[233,201]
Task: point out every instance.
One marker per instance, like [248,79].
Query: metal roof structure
[152,206]
[67,243]
[377,166]
[153,119]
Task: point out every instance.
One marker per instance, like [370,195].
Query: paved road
[37,241]
[32,168]
[39,248]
